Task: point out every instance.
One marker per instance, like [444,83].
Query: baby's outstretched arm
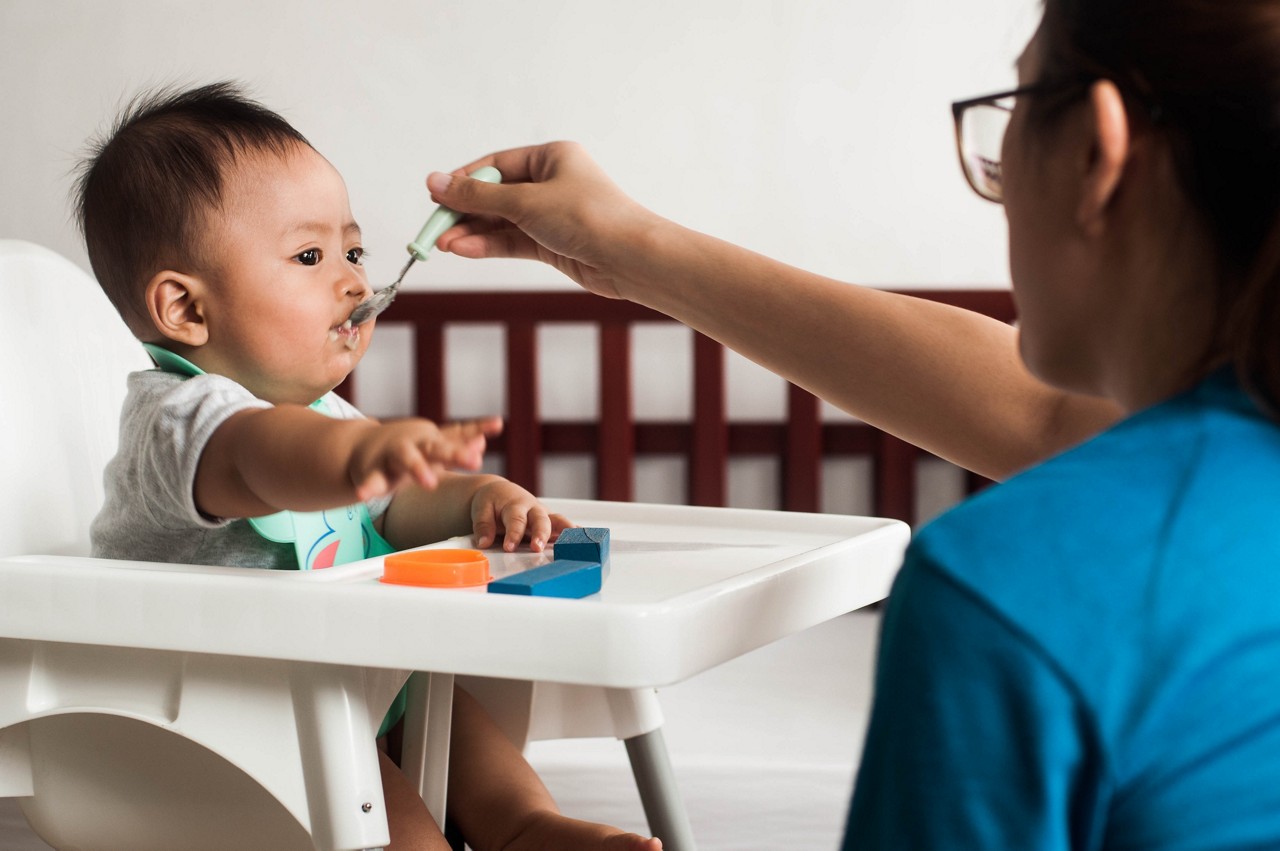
[289,457]
[490,507]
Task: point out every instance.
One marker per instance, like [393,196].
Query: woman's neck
[1162,332]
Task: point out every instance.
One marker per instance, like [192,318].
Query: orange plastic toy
[437,569]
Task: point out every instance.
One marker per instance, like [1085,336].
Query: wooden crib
[615,439]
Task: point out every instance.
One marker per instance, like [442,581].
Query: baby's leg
[497,800]
[412,827]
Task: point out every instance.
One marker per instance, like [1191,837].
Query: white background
[815,131]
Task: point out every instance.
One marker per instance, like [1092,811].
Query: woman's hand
[503,508]
[555,205]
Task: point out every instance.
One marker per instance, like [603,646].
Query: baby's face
[287,253]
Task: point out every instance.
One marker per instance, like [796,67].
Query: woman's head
[1201,78]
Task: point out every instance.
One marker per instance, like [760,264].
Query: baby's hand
[504,507]
[389,454]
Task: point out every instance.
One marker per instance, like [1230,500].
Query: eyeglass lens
[981,138]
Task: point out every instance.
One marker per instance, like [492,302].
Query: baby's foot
[552,830]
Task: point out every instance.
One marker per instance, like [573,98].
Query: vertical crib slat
[615,452]
[974,482]
[895,479]
[802,462]
[428,347]
[709,452]
[523,431]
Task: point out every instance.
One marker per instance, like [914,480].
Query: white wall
[816,131]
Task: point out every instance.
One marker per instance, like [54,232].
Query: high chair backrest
[66,354]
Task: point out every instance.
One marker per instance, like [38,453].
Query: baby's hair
[144,190]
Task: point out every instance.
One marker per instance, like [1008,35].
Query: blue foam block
[560,578]
[583,544]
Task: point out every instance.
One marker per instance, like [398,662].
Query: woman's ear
[175,303]
[1108,154]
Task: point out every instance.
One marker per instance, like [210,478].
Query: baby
[227,244]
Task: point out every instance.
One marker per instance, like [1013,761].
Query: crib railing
[708,440]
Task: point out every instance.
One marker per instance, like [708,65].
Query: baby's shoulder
[151,388]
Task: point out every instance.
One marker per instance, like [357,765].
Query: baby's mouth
[346,332]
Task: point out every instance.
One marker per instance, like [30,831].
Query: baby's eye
[356,255]
[310,257]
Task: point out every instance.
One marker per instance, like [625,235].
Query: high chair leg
[427,722]
[663,807]
[339,762]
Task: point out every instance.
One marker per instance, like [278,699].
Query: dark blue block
[560,578]
[583,543]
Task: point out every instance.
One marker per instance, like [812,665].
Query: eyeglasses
[980,128]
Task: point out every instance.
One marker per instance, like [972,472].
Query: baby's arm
[486,506]
[289,457]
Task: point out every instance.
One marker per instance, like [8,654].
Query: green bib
[320,538]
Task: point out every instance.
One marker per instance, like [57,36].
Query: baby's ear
[175,303]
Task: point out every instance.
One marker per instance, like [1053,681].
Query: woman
[1085,656]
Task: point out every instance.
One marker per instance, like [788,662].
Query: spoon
[440,221]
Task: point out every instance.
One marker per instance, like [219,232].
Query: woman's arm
[943,378]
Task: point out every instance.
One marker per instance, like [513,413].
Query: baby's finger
[470,429]
[559,523]
[539,528]
[403,461]
[372,486]
[515,519]
[451,451]
[484,523]
[422,471]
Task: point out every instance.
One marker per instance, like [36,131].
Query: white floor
[764,748]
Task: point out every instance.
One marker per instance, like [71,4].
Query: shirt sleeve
[976,740]
[168,434]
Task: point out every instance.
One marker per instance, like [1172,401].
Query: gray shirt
[150,511]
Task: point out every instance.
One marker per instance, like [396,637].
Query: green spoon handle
[444,218]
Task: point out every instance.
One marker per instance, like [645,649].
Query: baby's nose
[355,286]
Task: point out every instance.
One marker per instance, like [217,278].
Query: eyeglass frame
[958,109]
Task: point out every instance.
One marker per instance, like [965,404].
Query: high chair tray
[686,589]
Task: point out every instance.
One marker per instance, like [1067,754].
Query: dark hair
[1210,71]
[144,190]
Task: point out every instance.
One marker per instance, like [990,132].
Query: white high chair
[156,706]
[118,747]
[91,738]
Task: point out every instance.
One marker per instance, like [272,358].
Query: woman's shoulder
[1081,541]
[1125,483]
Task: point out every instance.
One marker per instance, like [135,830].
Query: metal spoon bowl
[439,221]
[379,301]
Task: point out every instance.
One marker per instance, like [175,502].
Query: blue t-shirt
[1088,656]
